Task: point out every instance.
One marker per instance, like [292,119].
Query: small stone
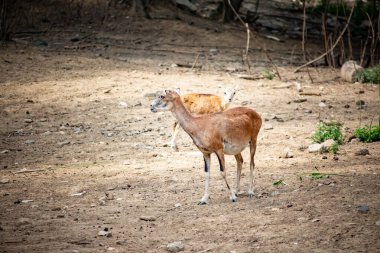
[363,209]
[335,158]
[124,104]
[288,153]
[268,126]
[29,142]
[63,143]
[111,248]
[28,120]
[105,233]
[316,220]
[327,144]
[214,51]
[177,205]
[4,181]
[300,100]
[4,151]
[246,102]
[308,111]
[23,222]
[315,147]
[175,246]
[354,140]
[174,65]
[362,151]
[147,218]
[347,106]
[324,157]
[322,105]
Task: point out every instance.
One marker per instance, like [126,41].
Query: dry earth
[82,153]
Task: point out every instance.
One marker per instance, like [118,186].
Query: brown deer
[228,132]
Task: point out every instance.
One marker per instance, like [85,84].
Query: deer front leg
[220,155]
[173,142]
[207,160]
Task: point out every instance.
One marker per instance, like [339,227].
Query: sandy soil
[81,153]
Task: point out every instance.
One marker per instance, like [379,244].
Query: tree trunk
[228,13]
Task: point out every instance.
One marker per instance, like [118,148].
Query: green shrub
[325,132]
[267,74]
[368,133]
[370,75]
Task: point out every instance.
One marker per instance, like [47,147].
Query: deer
[222,133]
[200,104]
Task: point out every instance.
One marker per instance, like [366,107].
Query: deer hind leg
[252,166]
[220,156]
[173,142]
[207,160]
[239,161]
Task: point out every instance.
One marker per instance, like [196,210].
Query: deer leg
[239,161]
[207,160]
[173,143]
[222,164]
[251,167]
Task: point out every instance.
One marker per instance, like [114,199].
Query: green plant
[368,133]
[369,75]
[328,131]
[279,182]
[334,148]
[317,175]
[267,74]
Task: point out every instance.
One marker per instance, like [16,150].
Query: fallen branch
[331,48]
[310,93]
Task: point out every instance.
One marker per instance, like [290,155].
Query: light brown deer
[200,104]
[228,132]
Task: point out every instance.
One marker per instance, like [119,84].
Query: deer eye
[162,96]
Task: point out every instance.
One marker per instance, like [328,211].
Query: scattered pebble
[214,51]
[4,181]
[105,233]
[147,218]
[363,209]
[23,222]
[29,142]
[175,246]
[177,205]
[335,158]
[324,157]
[362,151]
[354,140]
[268,126]
[288,153]
[315,147]
[4,151]
[28,120]
[322,105]
[124,104]
[316,220]
[300,100]
[79,193]
[63,143]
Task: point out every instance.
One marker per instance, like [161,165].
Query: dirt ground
[80,151]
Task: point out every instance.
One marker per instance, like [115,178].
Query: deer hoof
[233,199]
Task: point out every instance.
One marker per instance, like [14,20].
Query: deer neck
[184,117]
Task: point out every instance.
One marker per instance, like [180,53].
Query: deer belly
[233,149]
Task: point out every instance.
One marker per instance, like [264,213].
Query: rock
[63,143]
[324,157]
[28,120]
[363,209]
[322,105]
[23,222]
[4,151]
[349,71]
[316,220]
[354,140]
[362,151]
[214,51]
[175,246]
[177,205]
[147,218]
[105,233]
[288,153]
[335,158]
[300,100]
[268,126]
[315,147]
[186,4]
[29,142]
[4,181]
[78,193]
[174,65]
[124,104]
[327,144]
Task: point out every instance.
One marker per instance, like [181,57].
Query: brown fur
[227,132]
